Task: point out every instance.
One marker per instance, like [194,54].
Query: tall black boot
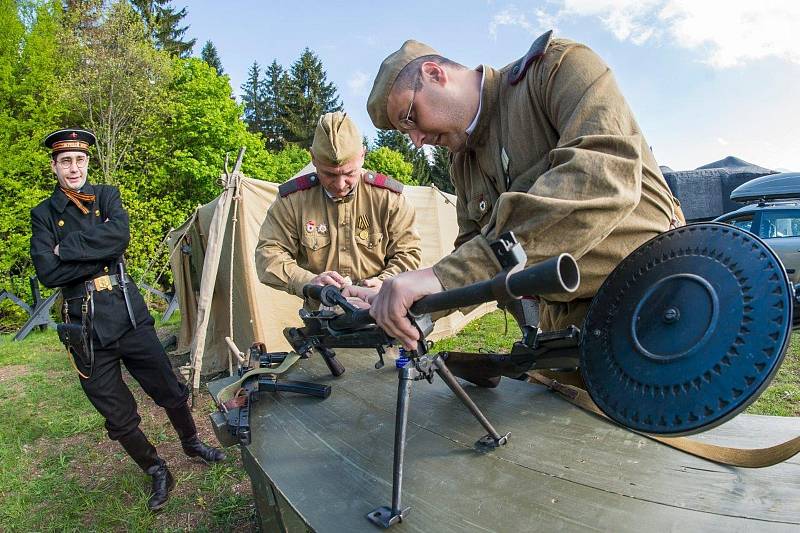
[182,421]
[146,456]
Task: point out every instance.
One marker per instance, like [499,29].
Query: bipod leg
[493,439]
[389,516]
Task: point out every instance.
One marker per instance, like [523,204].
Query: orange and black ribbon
[78,198]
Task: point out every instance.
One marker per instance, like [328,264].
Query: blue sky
[706,79]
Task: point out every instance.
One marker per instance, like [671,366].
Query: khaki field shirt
[559,159]
[370,233]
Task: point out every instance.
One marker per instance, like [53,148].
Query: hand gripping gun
[355,328]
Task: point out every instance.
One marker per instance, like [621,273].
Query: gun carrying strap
[742,457]
[229,391]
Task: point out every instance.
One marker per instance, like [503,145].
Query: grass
[59,471]
[490,333]
[782,397]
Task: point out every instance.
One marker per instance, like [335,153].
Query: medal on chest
[310,226]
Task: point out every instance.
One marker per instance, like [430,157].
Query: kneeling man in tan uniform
[342,224]
[546,147]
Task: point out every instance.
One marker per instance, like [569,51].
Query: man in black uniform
[79,235]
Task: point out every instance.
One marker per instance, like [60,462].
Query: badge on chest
[312,226]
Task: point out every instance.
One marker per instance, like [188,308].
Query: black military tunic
[91,245]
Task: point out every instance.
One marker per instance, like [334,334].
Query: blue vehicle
[774,216]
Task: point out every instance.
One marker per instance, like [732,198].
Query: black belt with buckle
[106,282]
[101,283]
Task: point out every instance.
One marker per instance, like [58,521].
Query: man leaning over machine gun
[357,227]
[79,235]
[545,147]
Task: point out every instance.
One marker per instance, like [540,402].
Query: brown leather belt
[743,457]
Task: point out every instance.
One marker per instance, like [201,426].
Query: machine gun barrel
[557,274]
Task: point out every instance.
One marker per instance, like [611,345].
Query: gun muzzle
[557,274]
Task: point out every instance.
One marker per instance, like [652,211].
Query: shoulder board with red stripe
[384,182]
[300,183]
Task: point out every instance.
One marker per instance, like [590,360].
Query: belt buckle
[102,283]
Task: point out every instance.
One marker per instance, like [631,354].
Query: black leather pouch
[74,338]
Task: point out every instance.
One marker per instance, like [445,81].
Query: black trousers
[144,357]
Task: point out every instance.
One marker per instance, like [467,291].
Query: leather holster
[75,339]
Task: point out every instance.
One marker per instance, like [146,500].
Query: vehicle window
[776,224]
[742,221]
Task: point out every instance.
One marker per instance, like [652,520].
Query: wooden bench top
[565,469]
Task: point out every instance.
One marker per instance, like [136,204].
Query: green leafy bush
[387,161]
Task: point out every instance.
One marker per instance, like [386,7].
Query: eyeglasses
[406,123]
[66,163]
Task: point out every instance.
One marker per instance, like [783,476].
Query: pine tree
[163,24]
[421,167]
[440,169]
[308,96]
[275,86]
[209,55]
[253,99]
[397,141]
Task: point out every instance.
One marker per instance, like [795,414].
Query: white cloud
[512,16]
[358,83]
[726,33]
[626,19]
[735,32]
[722,141]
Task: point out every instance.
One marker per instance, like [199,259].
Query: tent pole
[237,181]
[209,275]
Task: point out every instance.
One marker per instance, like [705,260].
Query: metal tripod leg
[389,516]
[493,439]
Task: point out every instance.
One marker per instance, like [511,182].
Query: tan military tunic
[370,233]
[559,159]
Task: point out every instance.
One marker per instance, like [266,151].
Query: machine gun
[261,373]
[684,334]
[355,328]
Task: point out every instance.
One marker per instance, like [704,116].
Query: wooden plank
[563,468]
